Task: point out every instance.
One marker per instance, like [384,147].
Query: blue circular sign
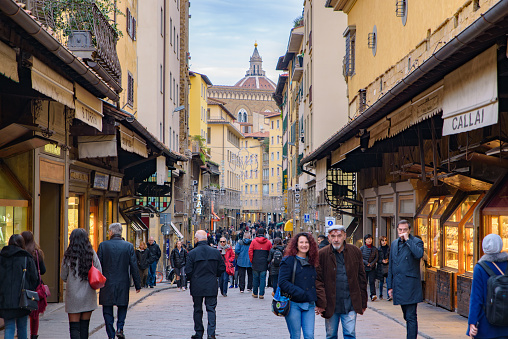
[330,223]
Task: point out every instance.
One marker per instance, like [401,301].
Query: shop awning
[499,203]
[131,142]
[340,153]
[97,146]
[88,108]
[48,82]
[135,223]
[177,232]
[470,100]
[288,226]
[8,64]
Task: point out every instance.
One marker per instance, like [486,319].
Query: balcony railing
[85,30]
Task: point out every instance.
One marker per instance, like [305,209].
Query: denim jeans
[258,281]
[275,281]
[348,325]
[300,319]
[109,319]
[151,274]
[410,317]
[223,283]
[21,324]
[381,285]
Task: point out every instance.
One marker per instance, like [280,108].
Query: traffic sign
[329,221]
[306,218]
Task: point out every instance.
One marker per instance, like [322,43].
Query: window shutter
[133,28]
[129,22]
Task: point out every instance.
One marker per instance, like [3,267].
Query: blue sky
[223,32]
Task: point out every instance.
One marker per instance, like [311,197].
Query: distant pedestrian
[243,262]
[497,261]
[403,283]
[142,256]
[178,260]
[228,256]
[38,255]
[153,259]
[258,255]
[369,254]
[322,241]
[80,298]
[302,259]
[383,264]
[274,260]
[13,260]
[341,284]
[118,259]
[204,266]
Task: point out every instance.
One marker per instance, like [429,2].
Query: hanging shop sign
[100,180]
[79,176]
[198,204]
[297,199]
[115,184]
[151,189]
[470,101]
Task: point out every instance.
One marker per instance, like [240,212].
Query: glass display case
[73,214]
[496,215]
[458,251]
[422,221]
[498,224]
[435,233]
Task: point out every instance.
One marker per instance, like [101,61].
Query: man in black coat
[403,283]
[204,266]
[117,256]
[153,259]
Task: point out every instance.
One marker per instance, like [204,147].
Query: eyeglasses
[222,241]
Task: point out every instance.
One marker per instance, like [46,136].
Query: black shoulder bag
[29,300]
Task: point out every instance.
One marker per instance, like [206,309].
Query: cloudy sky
[223,32]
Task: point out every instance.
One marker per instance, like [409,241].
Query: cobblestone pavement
[168,314]
[164,312]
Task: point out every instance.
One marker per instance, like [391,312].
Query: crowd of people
[328,277]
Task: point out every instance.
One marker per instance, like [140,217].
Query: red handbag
[95,278]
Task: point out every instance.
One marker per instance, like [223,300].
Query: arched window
[245,117]
[242,115]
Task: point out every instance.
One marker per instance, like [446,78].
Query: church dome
[255,77]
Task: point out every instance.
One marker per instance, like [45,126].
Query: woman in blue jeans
[302,258]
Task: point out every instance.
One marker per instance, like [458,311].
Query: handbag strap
[294,272]
[23,279]
[38,267]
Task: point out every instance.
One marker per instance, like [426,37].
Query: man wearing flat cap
[341,284]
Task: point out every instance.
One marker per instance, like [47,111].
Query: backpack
[496,308]
[277,257]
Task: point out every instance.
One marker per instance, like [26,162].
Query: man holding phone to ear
[403,282]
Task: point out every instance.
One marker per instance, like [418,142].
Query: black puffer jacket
[155,253]
[369,255]
[274,269]
[178,258]
[12,262]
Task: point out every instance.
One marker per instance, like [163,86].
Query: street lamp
[178,109]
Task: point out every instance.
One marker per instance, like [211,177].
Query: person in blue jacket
[479,327]
[243,262]
[302,255]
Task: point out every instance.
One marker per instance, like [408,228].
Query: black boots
[74,330]
[34,336]
[83,328]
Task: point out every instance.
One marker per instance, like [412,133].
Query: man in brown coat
[341,284]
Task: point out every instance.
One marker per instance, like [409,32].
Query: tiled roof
[256,82]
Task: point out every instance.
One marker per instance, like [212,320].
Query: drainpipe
[163,75]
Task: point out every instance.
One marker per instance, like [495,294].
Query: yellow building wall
[253,148]
[276,163]
[126,49]
[197,105]
[394,40]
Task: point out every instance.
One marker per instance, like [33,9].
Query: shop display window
[457,230]
[435,233]
[423,221]
[496,215]
[498,224]
[73,209]
[13,220]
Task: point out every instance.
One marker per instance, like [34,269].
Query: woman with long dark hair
[13,260]
[33,248]
[301,258]
[80,298]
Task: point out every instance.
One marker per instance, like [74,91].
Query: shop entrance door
[50,236]
[389,229]
[94,223]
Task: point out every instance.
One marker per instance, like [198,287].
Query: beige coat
[79,296]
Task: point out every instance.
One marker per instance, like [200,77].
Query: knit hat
[492,244]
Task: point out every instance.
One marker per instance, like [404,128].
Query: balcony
[85,30]
[297,68]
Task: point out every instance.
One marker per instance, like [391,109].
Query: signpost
[306,218]
[329,221]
